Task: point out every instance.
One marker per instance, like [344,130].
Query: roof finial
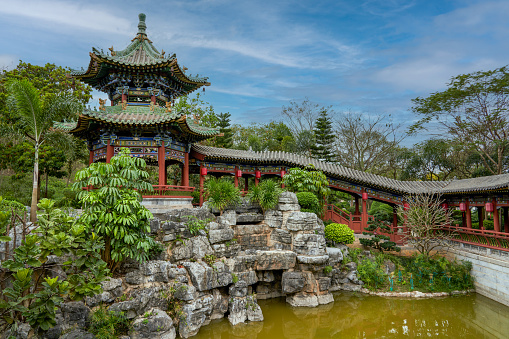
[141,25]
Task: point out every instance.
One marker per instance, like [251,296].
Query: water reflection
[361,316]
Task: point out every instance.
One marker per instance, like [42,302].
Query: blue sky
[369,56]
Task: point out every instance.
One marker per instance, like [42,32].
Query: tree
[430,160]
[35,114]
[368,144]
[425,219]
[324,138]
[301,117]
[111,197]
[49,79]
[226,141]
[475,109]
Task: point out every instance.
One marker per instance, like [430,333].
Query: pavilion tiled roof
[137,116]
[355,176]
[139,54]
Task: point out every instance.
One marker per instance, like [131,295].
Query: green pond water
[354,315]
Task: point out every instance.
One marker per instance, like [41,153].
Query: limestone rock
[219,305]
[229,217]
[275,260]
[195,247]
[249,218]
[249,277]
[220,235]
[312,260]
[238,311]
[293,282]
[195,314]
[112,289]
[281,236]
[325,298]
[335,255]
[302,300]
[254,312]
[154,324]
[184,292]
[238,290]
[78,334]
[206,278]
[274,218]
[75,314]
[302,221]
[228,249]
[265,276]
[309,244]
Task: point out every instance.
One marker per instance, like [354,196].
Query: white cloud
[69,14]
[7,62]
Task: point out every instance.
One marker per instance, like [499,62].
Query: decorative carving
[113,53]
[124,104]
[152,105]
[101,104]
[196,117]
[162,53]
[168,107]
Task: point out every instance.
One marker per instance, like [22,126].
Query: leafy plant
[34,296]
[194,225]
[209,259]
[110,194]
[309,202]
[266,194]
[327,269]
[109,324]
[174,305]
[340,233]
[221,193]
[235,278]
[371,273]
[307,180]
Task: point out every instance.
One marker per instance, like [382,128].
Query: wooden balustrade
[168,191]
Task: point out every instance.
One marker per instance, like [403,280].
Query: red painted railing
[354,221]
[168,191]
[480,237]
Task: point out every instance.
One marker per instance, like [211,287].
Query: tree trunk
[46,189]
[35,186]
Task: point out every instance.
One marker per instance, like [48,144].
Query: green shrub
[266,194]
[309,202]
[371,273]
[327,269]
[221,193]
[489,224]
[108,324]
[339,233]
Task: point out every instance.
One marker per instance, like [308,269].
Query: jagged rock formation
[222,269]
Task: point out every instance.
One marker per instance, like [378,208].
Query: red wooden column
[394,235]
[479,217]
[203,173]
[91,157]
[236,178]
[161,161]
[496,219]
[109,152]
[356,213]
[364,217]
[468,216]
[185,170]
[283,173]
[506,219]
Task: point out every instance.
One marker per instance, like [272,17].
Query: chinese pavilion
[142,84]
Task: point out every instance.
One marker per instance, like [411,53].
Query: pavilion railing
[168,191]
[479,237]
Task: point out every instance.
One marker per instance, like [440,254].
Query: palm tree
[36,114]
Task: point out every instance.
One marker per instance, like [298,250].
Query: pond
[355,315]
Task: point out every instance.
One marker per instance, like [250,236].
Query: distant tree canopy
[474,109]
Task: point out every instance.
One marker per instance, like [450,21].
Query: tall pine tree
[226,141]
[324,138]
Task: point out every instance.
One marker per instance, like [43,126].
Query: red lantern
[406,206]
[364,196]
[258,174]
[444,206]
[238,173]
[489,207]
[463,206]
[203,171]
[283,172]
